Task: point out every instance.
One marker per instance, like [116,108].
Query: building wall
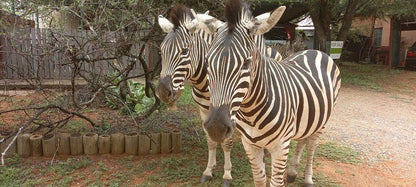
[408,38]
[362,25]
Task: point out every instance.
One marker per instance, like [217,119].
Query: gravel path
[381,125]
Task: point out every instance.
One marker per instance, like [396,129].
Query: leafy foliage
[136,99]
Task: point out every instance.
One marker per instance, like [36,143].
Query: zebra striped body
[269,102]
[299,91]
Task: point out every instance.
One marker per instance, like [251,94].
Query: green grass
[335,152]
[186,97]
[369,76]
[75,127]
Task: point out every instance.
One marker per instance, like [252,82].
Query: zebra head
[233,60]
[183,49]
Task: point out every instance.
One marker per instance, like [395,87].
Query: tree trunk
[347,20]
[320,12]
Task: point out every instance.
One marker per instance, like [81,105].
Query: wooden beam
[394,43]
[408,27]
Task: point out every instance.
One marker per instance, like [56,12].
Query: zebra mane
[234,9]
[179,14]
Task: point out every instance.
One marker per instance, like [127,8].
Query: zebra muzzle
[218,124]
[165,91]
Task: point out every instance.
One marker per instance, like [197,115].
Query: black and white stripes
[270,102]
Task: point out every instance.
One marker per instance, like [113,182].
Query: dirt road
[382,126]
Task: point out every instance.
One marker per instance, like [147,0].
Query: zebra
[183,52]
[269,102]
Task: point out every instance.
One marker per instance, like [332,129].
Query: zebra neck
[199,78]
[257,85]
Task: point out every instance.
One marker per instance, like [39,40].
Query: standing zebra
[269,102]
[183,52]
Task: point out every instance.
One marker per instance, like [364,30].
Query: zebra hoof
[291,178]
[226,183]
[205,178]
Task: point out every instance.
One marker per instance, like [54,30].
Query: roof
[293,11]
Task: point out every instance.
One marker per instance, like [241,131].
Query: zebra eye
[247,63]
[184,51]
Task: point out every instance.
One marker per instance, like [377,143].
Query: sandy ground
[380,125]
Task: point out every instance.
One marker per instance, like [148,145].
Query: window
[377,36]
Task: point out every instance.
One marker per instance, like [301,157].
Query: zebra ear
[165,24]
[264,22]
[208,23]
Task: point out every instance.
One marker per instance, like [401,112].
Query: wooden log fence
[93,144]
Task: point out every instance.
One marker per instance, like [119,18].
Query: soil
[381,125]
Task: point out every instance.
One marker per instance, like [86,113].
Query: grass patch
[69,166]
[75,127]
[186,97]
[174,169]
[369,76]
[335,152]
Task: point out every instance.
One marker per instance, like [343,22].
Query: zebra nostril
[169,93]
[228,131]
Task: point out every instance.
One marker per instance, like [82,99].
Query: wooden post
[23,145]
[117,143]
[165,142]
[104,144]
[49,145]
[131,141]
[64,147]
[144,144]
[36,145]
[155,143]
[76,144]
[176,142]
[394,41]
[90,142]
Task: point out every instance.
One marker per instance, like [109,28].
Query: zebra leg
[255,155]
[295,160]
[226,147]
[312,143]
[212,161]
[279,155]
